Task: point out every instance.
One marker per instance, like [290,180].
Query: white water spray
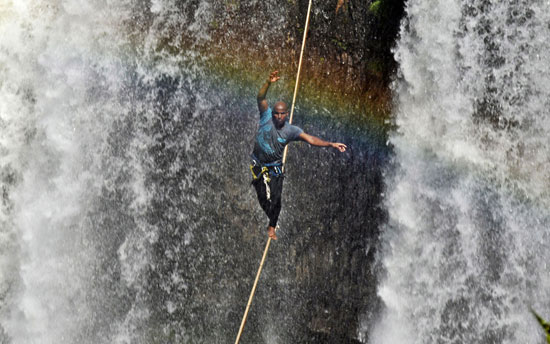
[73,156]
[466,249]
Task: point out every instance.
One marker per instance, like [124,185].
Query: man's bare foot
[271,232]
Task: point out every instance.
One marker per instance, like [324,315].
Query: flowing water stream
[466,247]
[84,102]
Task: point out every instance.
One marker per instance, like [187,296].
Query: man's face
[279,115]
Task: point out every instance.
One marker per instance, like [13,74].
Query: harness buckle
[258,170]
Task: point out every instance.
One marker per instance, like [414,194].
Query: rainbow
[319,100]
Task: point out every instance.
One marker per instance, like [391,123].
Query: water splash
[75,140]
[466,242]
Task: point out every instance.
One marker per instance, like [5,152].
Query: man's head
[280,112]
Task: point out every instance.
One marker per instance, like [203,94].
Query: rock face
[319,282]
[319,278]
[348,50]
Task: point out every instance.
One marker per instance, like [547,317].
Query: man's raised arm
[315,141]
[262,103]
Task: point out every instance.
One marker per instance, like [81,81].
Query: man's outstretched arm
[315,141]
[262,103]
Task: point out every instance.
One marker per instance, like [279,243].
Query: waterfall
[465,251]
[82,89]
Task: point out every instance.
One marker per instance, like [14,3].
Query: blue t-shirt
[270,142]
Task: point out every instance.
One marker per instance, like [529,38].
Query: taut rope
[284,159]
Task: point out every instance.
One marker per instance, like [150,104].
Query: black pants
[271,206]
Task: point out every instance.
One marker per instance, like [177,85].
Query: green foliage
[232,4]
[544,324]
[375,66]
[340,44]
[374,8]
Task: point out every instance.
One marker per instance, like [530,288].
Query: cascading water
[466,248]
[80,108]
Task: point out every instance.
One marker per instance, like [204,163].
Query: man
[274,133]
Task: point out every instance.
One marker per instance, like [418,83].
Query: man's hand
[262,103]
[273,77]
[340,146]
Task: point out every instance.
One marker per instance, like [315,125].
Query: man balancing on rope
[274,133]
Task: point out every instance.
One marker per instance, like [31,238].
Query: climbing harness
[271,169]
[265,171]
[243,322]
[261,172]
[258,171]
